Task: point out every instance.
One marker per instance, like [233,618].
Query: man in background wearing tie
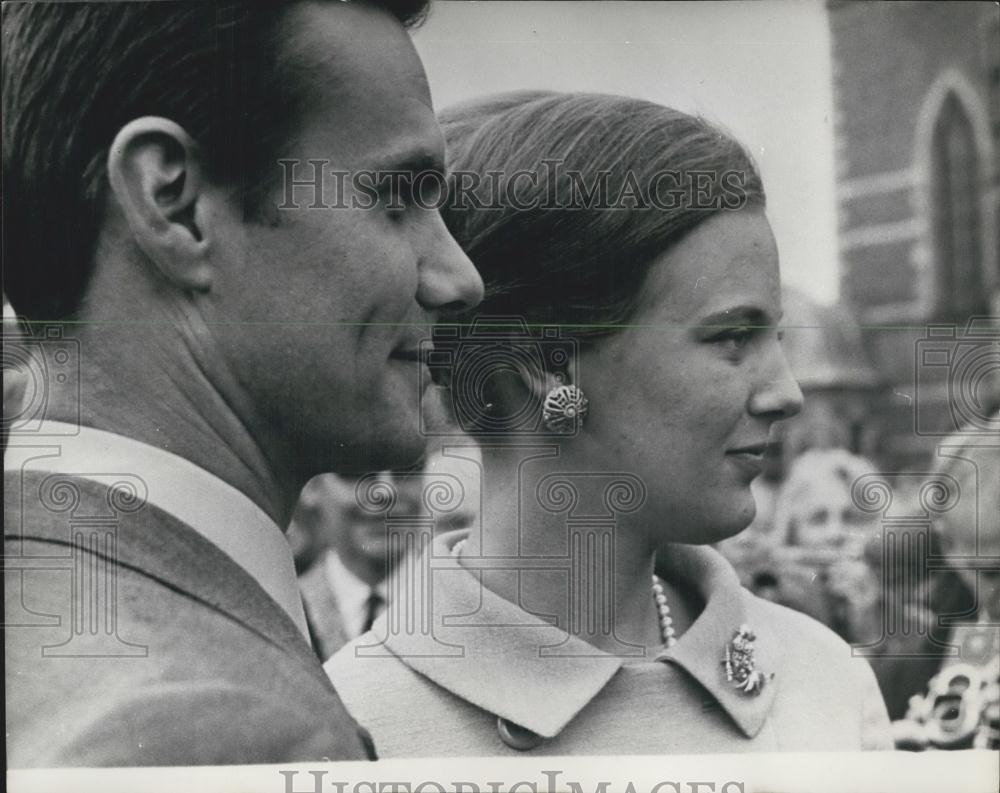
[350,521]
[344,589]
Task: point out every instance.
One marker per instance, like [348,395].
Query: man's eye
[735,339]
[432,193]
[396,200]
[395,194]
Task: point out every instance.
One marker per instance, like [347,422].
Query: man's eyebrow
[410,160]
[739,315]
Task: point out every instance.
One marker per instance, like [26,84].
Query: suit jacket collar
[499,657]
[52,507]
[322,610]
[221,513]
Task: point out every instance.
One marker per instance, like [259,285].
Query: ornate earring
[564,406]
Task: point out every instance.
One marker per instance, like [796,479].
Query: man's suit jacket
[132,640]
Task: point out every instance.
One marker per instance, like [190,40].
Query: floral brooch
[740,664]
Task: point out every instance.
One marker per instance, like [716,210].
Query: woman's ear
[541,383]
[541,380]
[156,176]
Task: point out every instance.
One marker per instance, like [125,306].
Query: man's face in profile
[329,305]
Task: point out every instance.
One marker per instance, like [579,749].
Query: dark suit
[132,640]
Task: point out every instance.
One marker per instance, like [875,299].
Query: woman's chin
[712,528]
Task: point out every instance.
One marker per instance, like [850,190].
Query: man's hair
[76,73]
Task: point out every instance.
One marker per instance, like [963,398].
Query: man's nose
[778,396]
[448,280]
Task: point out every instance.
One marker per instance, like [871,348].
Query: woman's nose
[779,396]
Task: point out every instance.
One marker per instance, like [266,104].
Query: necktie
[372,608]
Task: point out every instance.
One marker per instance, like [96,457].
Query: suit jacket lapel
[158,545]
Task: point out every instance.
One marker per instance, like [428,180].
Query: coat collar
[493,654]
[701,649]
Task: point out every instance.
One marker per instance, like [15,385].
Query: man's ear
[156,176]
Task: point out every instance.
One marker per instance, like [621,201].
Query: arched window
[956,183]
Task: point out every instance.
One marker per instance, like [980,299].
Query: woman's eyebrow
[753,316]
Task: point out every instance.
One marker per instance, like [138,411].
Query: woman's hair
[563,201]
[577,194]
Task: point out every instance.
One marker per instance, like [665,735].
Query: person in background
[816,557]
[347,536]
[344,589]
[960,708]
[823,557]
[815,508]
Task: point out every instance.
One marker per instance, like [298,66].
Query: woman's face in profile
[685,396]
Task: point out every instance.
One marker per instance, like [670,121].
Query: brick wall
[893,63]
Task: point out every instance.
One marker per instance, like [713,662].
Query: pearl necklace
[667,632]
[666,621]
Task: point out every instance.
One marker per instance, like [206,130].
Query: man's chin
[380,456]
[398,444]
[390,448]
[436,413]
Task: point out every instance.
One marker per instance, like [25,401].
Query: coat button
[516,736]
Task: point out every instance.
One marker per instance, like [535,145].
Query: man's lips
[413,360]
[411,354]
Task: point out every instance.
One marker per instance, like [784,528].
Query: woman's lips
[750,459]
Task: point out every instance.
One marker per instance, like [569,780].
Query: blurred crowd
[903,566]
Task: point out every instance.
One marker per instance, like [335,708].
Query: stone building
[917,135]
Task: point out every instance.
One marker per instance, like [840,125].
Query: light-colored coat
[449,694]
